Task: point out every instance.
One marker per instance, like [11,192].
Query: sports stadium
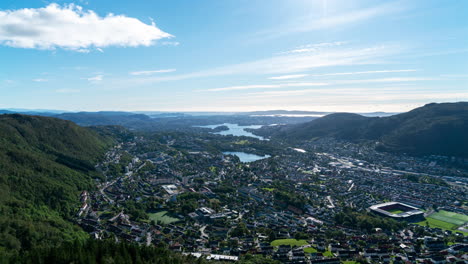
[398,211]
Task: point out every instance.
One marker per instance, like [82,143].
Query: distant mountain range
[104,118]
[431,129]
[45,112]
[306,113]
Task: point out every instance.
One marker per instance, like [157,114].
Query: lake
[246,157]
[235,130]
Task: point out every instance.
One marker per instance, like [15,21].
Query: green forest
[44,165]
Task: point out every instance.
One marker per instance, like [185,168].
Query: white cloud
[152,72]
[294,76]
[244,87]
[96,78]
[386,80]
[40,80]
[314,47]
[70,27]
[287,77]
[330,82]
[264,86]
[362,72]
[292,63]
[340,19]
[355,16]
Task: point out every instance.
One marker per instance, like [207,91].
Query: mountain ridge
[431,129]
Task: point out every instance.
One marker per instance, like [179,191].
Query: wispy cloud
[287,77]
[329,82]
[152,72]
[361,72]
[386,80]
[347,18]
[314,47]
[70,27]
[316,21]
[264,86]
[341,91]
[292,63]
[170,43]
[40,80]
[96,78]
[295,76]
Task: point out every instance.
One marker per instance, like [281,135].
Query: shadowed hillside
[431,129]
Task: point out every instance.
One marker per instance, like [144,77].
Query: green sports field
[449,217]
[310,250]
[395,211]
[290,242]
[445,220]
[162,217]
[438,224]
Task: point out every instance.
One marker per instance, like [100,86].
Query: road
[332,205]
[202,231]
[148,239]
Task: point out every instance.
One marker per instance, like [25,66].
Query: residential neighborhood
[309,206]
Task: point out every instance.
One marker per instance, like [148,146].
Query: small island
[220,128]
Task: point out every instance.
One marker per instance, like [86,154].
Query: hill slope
[431,129]
[44,164]
[106,118]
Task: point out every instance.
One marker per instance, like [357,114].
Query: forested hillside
[431,129]
[44,165]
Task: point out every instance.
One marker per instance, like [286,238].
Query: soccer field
[163,217]
[395,211]
[449,217]
[291,242]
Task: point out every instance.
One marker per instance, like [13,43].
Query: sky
[232,55]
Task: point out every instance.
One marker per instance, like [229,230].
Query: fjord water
[235,130]
[246,157]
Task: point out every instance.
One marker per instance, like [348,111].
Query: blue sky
[232,55]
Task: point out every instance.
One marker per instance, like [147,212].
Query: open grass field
[454,223]
[438,224]
[310,250]
[449,217]
[162,217]
[291,242]
[313,250]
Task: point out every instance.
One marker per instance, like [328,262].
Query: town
[301,204]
